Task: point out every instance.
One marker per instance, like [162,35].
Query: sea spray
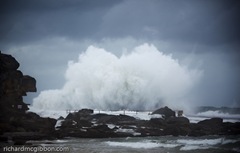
[143,79]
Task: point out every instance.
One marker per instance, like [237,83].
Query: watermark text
[35,149]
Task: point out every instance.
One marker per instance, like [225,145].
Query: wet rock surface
[165,111]
[104,125]
[15,123]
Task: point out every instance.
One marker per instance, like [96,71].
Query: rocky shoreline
[18,126]
[85,124]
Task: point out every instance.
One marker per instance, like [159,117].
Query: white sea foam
[111,126]
[194,118]
[143,144]
[191,144]
[143,79]
[130,131]
[194,144]
[219,114]
[61,141]
[193,147]
[168,145]
[227,141]
[202,142]
[58,124]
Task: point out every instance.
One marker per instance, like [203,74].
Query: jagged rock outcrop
[13,116]
[14,85]
[211,126]
[165,112]
[89,125]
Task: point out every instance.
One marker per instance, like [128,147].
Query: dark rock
[178,120]
[19,142]
[70,116]
[3,139]
[177,126]
[197,130]
[28,84]
[68,123]
[8,62]
[231,128]
[102,128]
[119,119]
[99,131]
[150,131]
[14,85]
[84,123]
[96,133]
[166,112]
[60,118]
[174,130]
[213,126]
[21,137]
[83,114]
[157,122]
[81,125]
[43,125]
[212,122]
[102,118]
[112,119]
[85,111]
[171,130]
[31,115]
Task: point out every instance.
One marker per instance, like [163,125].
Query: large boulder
[165,112]
[121,119]
[102,118]
[8,62]
[157,122]
[112,119]
[213,122]
[14,85]
[28,84]
[13,116]
[81,114]
[177,126]
[213,126]
[231,128]
[85,112]
[178,120]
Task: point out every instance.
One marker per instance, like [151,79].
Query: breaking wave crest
[145,78]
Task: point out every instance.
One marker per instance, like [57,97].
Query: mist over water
[142,79]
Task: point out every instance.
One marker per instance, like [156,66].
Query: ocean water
[166,144]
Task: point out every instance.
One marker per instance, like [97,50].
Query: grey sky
[44,35]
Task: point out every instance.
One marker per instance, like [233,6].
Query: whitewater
[165,144]
[141,79]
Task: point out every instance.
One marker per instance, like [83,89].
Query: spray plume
[143,79]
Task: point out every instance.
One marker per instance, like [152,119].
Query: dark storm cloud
[205,22]
[33,20]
